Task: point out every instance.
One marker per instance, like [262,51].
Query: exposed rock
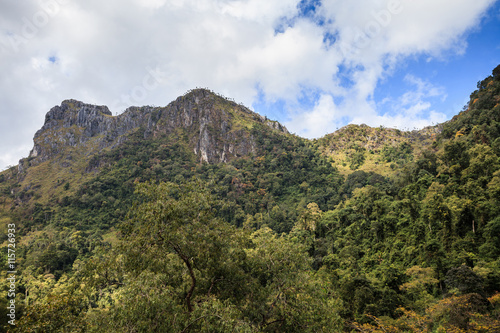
[217,128]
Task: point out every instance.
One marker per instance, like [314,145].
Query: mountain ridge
[78,123]
[75,123]
[214,128]
[206,207]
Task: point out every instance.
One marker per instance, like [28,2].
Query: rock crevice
[217,129]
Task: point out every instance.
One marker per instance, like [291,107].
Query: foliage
[190,271]
[149,239]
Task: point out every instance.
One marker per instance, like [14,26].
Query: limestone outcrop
[217,129]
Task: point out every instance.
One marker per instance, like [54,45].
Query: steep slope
[84,163]
[74,135]
[217,126]
[479,122]
[427,252]
[114,234]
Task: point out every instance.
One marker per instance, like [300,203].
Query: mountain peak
[70,124]
[73,112]
[218,128]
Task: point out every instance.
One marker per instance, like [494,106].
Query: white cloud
[411,110]
[378,28]
[321,119]
[153,4]
[287,62]
[104,52]
[260,11]
[423,89]
[375,36]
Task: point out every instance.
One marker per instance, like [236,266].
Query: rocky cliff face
[217,129]
[74,124]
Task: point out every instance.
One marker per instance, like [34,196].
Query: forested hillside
[203,216]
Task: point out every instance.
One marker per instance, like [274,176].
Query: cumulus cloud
[373,37]
[411,110]
[320,119]
[120,53]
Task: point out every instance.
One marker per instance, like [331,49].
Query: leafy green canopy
[179,268]
[415,252]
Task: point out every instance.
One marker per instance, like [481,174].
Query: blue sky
[456,74]
[447,77]
[314,65]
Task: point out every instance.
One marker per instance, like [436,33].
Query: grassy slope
[342,145]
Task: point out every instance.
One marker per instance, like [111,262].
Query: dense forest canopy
[364,230]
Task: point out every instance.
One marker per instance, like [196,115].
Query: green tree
[178,220]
